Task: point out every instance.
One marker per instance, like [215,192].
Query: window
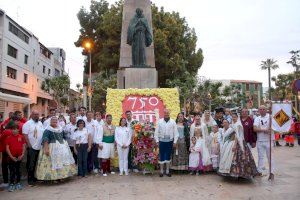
[256,86]
[26,59]
[247,87]
[49,72]
[25,78]
[44,69]
[11,73]
[56,72]
[20,34]
[12,51]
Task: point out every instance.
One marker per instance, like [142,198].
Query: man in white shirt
[68,133]
[166,136]
[99,120]
[82,111]
[91,126]
[52,113]
[33,133]
[263,130]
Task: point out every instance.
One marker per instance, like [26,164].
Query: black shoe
[161,175]
[277,144]
[169,175]
[287,144]
[291,145]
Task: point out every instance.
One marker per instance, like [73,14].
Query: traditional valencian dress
[240,162]
[180,156]
[214,149]
[199,159]
[60,163]
[108,150]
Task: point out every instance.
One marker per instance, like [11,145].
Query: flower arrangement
[115,97]
[145,152]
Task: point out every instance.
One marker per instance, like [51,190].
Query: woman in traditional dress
[208,121]
[236,159]
[55,159]
[180,156]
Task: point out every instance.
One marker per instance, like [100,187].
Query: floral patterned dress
[180,156]
[60,163]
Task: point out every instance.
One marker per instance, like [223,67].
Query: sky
[235,35]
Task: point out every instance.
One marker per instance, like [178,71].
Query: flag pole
[270,137]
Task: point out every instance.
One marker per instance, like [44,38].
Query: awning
[14,98]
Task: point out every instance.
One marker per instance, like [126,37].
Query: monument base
[137,78]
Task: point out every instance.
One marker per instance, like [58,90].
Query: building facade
[253,91]
[25,63]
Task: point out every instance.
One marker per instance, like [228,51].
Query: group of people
[85,143]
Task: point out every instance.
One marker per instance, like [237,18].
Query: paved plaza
[210,186]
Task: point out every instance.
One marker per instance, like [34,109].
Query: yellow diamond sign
[281,118]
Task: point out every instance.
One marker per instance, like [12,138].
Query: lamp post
[88,47]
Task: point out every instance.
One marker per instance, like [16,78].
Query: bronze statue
[139,37]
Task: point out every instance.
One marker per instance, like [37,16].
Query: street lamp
[87,45]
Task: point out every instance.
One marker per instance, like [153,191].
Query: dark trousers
[92,161]
[82,156]
[74,154]
[31,164]
[4,166]
[14,170]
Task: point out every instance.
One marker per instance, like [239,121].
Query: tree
[295,59]
[269,64]
[177,58]
[58,88]
[283,82]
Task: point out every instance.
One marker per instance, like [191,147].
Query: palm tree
[269,64]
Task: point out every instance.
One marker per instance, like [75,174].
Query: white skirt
[108,151]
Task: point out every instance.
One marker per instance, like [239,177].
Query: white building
[25,62]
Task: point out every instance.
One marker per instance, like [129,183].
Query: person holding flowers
[166,136]
[123,139]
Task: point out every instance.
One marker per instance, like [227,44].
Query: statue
[139,37]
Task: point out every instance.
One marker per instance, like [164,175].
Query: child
[194,158]
[15,148]
[214,147]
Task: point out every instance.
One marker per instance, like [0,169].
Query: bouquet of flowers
[145,151]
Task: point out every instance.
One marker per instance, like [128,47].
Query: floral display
[115,97]
[145,151]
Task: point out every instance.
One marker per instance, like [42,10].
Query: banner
[145,104]
[281,117]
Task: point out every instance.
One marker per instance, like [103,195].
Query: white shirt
[166,130]
[263,123]
[98,136]
[81,136]
[34,131]
[91,127]
[81,117]
[123,136]
[46,123]
[100,123]
[69,132]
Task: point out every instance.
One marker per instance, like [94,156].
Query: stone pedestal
[137,78]
[128,76]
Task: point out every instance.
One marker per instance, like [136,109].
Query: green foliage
[176,57]
[101,83]
[58,87]
[295,59]
[283,82]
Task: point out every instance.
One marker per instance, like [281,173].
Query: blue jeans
[82,156]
